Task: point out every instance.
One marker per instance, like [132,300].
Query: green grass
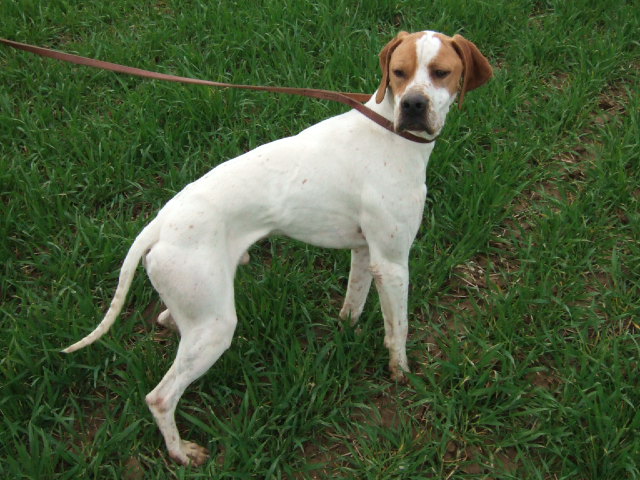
[524,303]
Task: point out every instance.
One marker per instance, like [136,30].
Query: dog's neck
[384,108]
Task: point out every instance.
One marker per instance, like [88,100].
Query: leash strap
[351,99]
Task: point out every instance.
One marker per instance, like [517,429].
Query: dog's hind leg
[166,320]
[198,350]
[199,295]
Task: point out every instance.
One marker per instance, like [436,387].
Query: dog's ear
[385,58]
[477,70]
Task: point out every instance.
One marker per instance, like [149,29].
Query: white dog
[345,182]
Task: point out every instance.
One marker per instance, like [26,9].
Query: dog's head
[422,73]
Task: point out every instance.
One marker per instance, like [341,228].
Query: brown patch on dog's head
[447,68]
[403,65]
[385,61]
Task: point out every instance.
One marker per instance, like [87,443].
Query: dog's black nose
[414,105]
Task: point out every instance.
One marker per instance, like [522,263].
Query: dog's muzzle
[414,114]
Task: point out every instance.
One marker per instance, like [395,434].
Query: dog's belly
[324,229]
[236,208]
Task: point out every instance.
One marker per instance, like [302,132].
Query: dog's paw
[197,455]
[398,375]
[190,454]
[348,314]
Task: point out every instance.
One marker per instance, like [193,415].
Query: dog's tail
[142,243]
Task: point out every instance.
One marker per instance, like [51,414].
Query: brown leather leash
[351,99]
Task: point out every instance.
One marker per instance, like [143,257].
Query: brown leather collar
[352,99]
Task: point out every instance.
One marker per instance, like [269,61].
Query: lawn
[524,306]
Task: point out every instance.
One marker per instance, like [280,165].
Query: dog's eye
[399,73]
[441,73]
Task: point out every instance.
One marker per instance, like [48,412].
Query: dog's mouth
[414,114]
[415,126]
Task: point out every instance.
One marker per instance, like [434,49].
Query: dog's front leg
[358,286]
[392,283]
